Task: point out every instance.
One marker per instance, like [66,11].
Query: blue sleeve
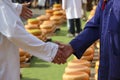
[89,35]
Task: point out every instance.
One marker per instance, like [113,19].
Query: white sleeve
[12,27]
[18,7]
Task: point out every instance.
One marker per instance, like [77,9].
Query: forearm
[83,41]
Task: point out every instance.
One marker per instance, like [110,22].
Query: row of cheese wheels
[46,24]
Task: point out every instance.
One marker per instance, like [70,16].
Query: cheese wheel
[21,52]
[49,14]
[35,32]
[57,13]
[49,11]
[47,30]
[79,62]
[89,51]
[55,18]
[46,26]
[77,68]
[31,26]
[33,21]
[43,17]
[23,59]
[57,6]
[27,55]
[88,57]
[49,22]
[76,76]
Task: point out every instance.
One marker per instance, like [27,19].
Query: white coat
[73,8]
[14,36]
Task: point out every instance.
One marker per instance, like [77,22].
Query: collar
[104,4]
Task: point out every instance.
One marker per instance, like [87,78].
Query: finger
[28,10]
[61,57]
[58,58]
[28,16]
[56,61]
[24,17]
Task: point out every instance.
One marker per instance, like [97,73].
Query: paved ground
[36,12]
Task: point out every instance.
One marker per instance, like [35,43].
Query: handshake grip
[63,53]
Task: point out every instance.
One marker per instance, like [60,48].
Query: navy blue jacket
[105,25]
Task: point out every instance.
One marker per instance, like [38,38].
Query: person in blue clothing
[105,25]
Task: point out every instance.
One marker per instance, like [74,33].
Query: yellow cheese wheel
[77,68]
[31,26]
[79,62]
[57,6]
[33,21]
[35,32]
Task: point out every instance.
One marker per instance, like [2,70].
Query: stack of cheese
[24,57]
[59,14]
[57,7]
[88,54]
[48,27]
[32,27]
[57,17]
[49,12]
[77,70]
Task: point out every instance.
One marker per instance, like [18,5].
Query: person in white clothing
[73,9]
[13,36]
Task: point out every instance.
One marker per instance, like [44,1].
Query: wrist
[71,49]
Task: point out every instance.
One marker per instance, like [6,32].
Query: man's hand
[60,57]
[26,12]
[64,52]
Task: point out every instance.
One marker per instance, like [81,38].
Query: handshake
[63,53]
